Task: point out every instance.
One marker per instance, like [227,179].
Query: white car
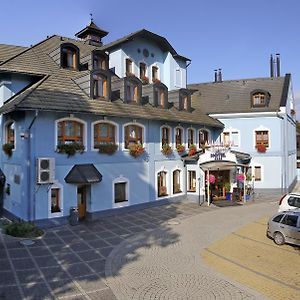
[289,202]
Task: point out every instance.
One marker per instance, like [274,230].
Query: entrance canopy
[218,165]
[83,174]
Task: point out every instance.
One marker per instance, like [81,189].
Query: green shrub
[22,229]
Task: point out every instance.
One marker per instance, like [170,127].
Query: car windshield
[294,201]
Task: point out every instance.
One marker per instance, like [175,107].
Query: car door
[290,228]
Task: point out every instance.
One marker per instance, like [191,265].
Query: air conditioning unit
[45,170]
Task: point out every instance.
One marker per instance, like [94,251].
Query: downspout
[31,206]
[283,162]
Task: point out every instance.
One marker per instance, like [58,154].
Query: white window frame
[178,84]
[84,123]
[163,169]
[170,135]
[187,181]
[104,121]
[182,137]
[209,136]
[230,130]
[5,132]
[261,171]
[261,128]
[58,186]
[123,134]
[181,182]
[120,179]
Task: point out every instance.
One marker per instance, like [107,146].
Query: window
[120,192]
[191,181]
[133,135]
[142,70]
[226,138]
[162,183]
[104,133]
[184,101]
[257,173]
[176,182]
[132,91]
[294,201]
[55,201]
[178,136]
[69,57]
[99,86]
[100,61]
[203,137]
[10,133]
[277,218]
[259,99]
[165,135]
[290,220]
[155,73]
[262,138]
[160,96]
[178,77]
[69,132]
[129,70]
[235,138]
[190,137]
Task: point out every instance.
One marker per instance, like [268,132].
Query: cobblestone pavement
[250,258]
[69,261]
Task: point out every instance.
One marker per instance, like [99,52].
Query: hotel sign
[218,155]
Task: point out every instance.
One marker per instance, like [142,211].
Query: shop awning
[83,174]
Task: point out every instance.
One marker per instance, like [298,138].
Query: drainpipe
[31,205]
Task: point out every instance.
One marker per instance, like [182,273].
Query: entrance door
[81,201]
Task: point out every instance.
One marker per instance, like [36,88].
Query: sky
[236,35]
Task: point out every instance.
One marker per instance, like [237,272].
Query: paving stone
[67,258]
[105,251]
[53,241]
[4,265]
[54,273]
[98,244]
[7,278]
[70,239]
[10,293]
[97,265]
[79,269]
[90,237]
[89,255]
[91,283]
[14,245]
[18,253]
[64,288]
[46,261]
[29,276]
[105,234]
[105,294]
[59,249]
[63,232]
[37,291]
[39,251]
[114,241]
[81,246]
[121,231]
[23,263]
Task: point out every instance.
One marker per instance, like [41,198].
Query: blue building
[96,126]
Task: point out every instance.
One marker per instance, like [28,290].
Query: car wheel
[279,238]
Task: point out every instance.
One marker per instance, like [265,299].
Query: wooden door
[81,201]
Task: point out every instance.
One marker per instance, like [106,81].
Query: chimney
[220,75]
[278,64]
[271,66]
[216,75]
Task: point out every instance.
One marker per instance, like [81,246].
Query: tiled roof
[8,51]
[57,90]
[233,96]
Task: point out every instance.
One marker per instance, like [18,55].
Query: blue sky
[235,35]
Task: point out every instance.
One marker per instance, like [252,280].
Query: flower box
[136,150]
[145,80]
[107,148]
[192,150]
[261,148]
[180,148]
[70,149]
[166,149]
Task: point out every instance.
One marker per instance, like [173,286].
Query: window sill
[55,215]
[121,204]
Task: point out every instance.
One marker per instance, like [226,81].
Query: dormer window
[260,98]
[160,96]
[132,91]
[184,101]
[99,86]
[100,61]
[142,70]
[155,74]
[69,56]
[129,69]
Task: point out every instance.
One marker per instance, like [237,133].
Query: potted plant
[166,149]
[227,187]
[180,148]
[107,148]
[192,150]
[70,149]
[261,148]
[136,150]
[8,148]
[162,191]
